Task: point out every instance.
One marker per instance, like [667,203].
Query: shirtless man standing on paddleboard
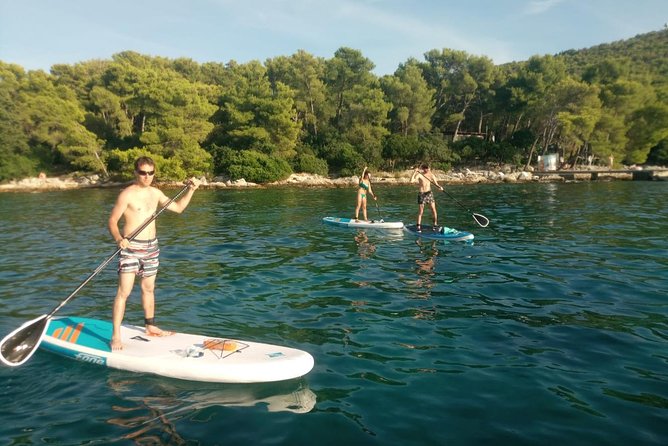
[139,257]
[425,195]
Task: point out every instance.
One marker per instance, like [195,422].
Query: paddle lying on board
[18,346]
[479,218]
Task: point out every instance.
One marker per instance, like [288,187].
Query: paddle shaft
[378,208]
[20,344]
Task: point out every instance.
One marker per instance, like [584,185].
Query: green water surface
[550,328]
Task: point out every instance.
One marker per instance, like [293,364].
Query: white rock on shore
[299,179]
[503,174]
[403,177]
[55,183]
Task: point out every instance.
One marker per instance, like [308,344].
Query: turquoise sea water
[551,328]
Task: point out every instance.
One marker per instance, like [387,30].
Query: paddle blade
[481,220]
[18,346]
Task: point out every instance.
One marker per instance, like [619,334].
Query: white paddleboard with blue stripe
[368,224]
[182,356]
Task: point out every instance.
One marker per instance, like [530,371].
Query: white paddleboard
[182,356]
[368,224]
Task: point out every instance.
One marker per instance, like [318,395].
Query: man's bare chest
[143,204]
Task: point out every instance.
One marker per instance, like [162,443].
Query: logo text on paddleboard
[93,359]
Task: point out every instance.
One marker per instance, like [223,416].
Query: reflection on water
[426,263]
[365,249]
[152,409]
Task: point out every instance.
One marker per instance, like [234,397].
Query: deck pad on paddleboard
[439,233]
[182,356]
[369,224]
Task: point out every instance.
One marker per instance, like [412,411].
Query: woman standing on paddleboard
[362,191]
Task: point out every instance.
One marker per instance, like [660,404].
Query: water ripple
[549,328]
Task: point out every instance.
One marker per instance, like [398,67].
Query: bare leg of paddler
[125,283]
[419,217]
[148,302]
[359,206]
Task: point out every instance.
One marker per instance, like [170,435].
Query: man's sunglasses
[145,173]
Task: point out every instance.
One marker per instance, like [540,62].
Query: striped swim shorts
[425,197]
[141,258]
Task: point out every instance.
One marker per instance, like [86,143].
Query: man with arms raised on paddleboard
[425,195]
[139,257]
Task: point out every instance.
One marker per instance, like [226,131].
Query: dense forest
[301,113]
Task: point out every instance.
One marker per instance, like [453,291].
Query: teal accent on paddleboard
[92,333]
[439,233]
[337,220]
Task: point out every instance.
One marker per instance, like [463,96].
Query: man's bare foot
[116,345]
[152,330]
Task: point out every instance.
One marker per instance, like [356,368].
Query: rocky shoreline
[463,176]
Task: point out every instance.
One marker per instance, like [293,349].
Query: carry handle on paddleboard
[18,346]
[479,218]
